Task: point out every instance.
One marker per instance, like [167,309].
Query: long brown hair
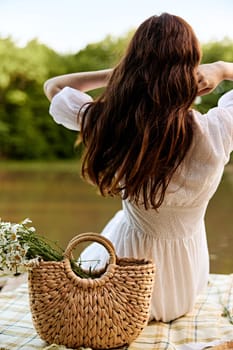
[140,129]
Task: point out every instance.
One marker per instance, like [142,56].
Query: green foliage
[217,51]
[26,129]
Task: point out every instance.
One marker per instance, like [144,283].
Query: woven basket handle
[93,237]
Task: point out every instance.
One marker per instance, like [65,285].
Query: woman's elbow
[50,89]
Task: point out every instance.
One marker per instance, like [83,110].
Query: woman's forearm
[227,69]
[211,74]
[83,81]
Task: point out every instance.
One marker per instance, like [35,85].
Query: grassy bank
[69,166]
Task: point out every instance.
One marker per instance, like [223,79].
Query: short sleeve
[226,101]
[225,105]
[219,123]
[65,106]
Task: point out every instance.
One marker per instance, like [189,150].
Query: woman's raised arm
[211,74]
[83,81]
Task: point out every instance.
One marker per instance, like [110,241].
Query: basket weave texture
[106,312]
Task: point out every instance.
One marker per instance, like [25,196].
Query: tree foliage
[26,129]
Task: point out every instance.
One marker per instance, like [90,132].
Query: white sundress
[174,237]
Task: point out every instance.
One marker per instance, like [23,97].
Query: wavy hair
[139,130]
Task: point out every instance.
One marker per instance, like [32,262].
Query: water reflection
[61,205]
[219,222]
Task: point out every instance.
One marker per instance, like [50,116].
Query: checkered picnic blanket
[211,320]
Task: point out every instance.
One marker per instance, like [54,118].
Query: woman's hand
[211,74]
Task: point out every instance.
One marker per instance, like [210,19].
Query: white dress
[174,237]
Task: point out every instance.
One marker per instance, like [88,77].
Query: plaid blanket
[210,321]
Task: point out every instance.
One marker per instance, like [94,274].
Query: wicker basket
[106,312]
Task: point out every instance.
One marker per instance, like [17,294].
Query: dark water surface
[61,205]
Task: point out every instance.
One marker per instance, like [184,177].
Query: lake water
[61,205]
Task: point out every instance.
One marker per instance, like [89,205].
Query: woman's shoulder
[226,101]
[215,128]
[219,116]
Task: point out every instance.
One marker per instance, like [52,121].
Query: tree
[26,129]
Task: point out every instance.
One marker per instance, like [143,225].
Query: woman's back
[174,237]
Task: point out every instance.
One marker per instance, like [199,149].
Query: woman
[145,143]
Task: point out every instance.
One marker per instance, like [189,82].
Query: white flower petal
[26,221]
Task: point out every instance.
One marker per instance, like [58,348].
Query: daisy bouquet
[21,247]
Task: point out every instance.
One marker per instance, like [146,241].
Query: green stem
[38,246]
